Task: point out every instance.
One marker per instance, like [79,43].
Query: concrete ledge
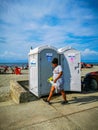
[19,94]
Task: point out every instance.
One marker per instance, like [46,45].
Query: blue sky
[26,23]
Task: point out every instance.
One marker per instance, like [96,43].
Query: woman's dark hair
[55,61]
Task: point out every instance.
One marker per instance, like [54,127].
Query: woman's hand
[55,80]
[60,74]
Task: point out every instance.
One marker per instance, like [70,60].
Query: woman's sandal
[45,100]
[64,102]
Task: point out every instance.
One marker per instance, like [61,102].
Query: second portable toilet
[70,61]
[40,69]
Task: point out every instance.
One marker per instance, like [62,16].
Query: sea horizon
[95,62]
[20,64]
[26,63]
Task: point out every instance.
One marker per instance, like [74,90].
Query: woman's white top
[56,72]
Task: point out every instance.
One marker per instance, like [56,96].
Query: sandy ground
[5,81]
[87,70]
[81,113]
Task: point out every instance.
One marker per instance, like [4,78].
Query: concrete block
[19,94]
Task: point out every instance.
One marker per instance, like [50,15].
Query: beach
[84,71]
[5,80]
[79,113]
[5,83]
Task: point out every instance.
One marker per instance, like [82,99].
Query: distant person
[58,82]
[22,67]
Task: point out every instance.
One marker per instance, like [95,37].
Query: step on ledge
[19,94]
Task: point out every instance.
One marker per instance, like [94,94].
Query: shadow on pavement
[84,100]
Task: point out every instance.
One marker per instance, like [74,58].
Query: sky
[60,23]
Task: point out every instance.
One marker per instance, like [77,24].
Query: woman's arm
[60,74]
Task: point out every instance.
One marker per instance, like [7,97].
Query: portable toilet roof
[40,48]
[63,49]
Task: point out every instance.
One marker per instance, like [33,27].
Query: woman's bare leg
[51,93]
[63,95]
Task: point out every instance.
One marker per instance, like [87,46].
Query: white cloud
[26,27]
[8,54]
[88,52]
[27,18]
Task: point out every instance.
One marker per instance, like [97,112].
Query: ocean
[90,62]
[25,64]
[14,64]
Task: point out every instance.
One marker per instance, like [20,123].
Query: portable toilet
[40,69]
[70,61]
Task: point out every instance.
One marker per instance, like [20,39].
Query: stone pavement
[81,113]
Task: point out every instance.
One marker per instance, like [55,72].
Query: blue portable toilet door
[46,57]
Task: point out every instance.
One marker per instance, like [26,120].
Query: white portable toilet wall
[40,69]
[70,60]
